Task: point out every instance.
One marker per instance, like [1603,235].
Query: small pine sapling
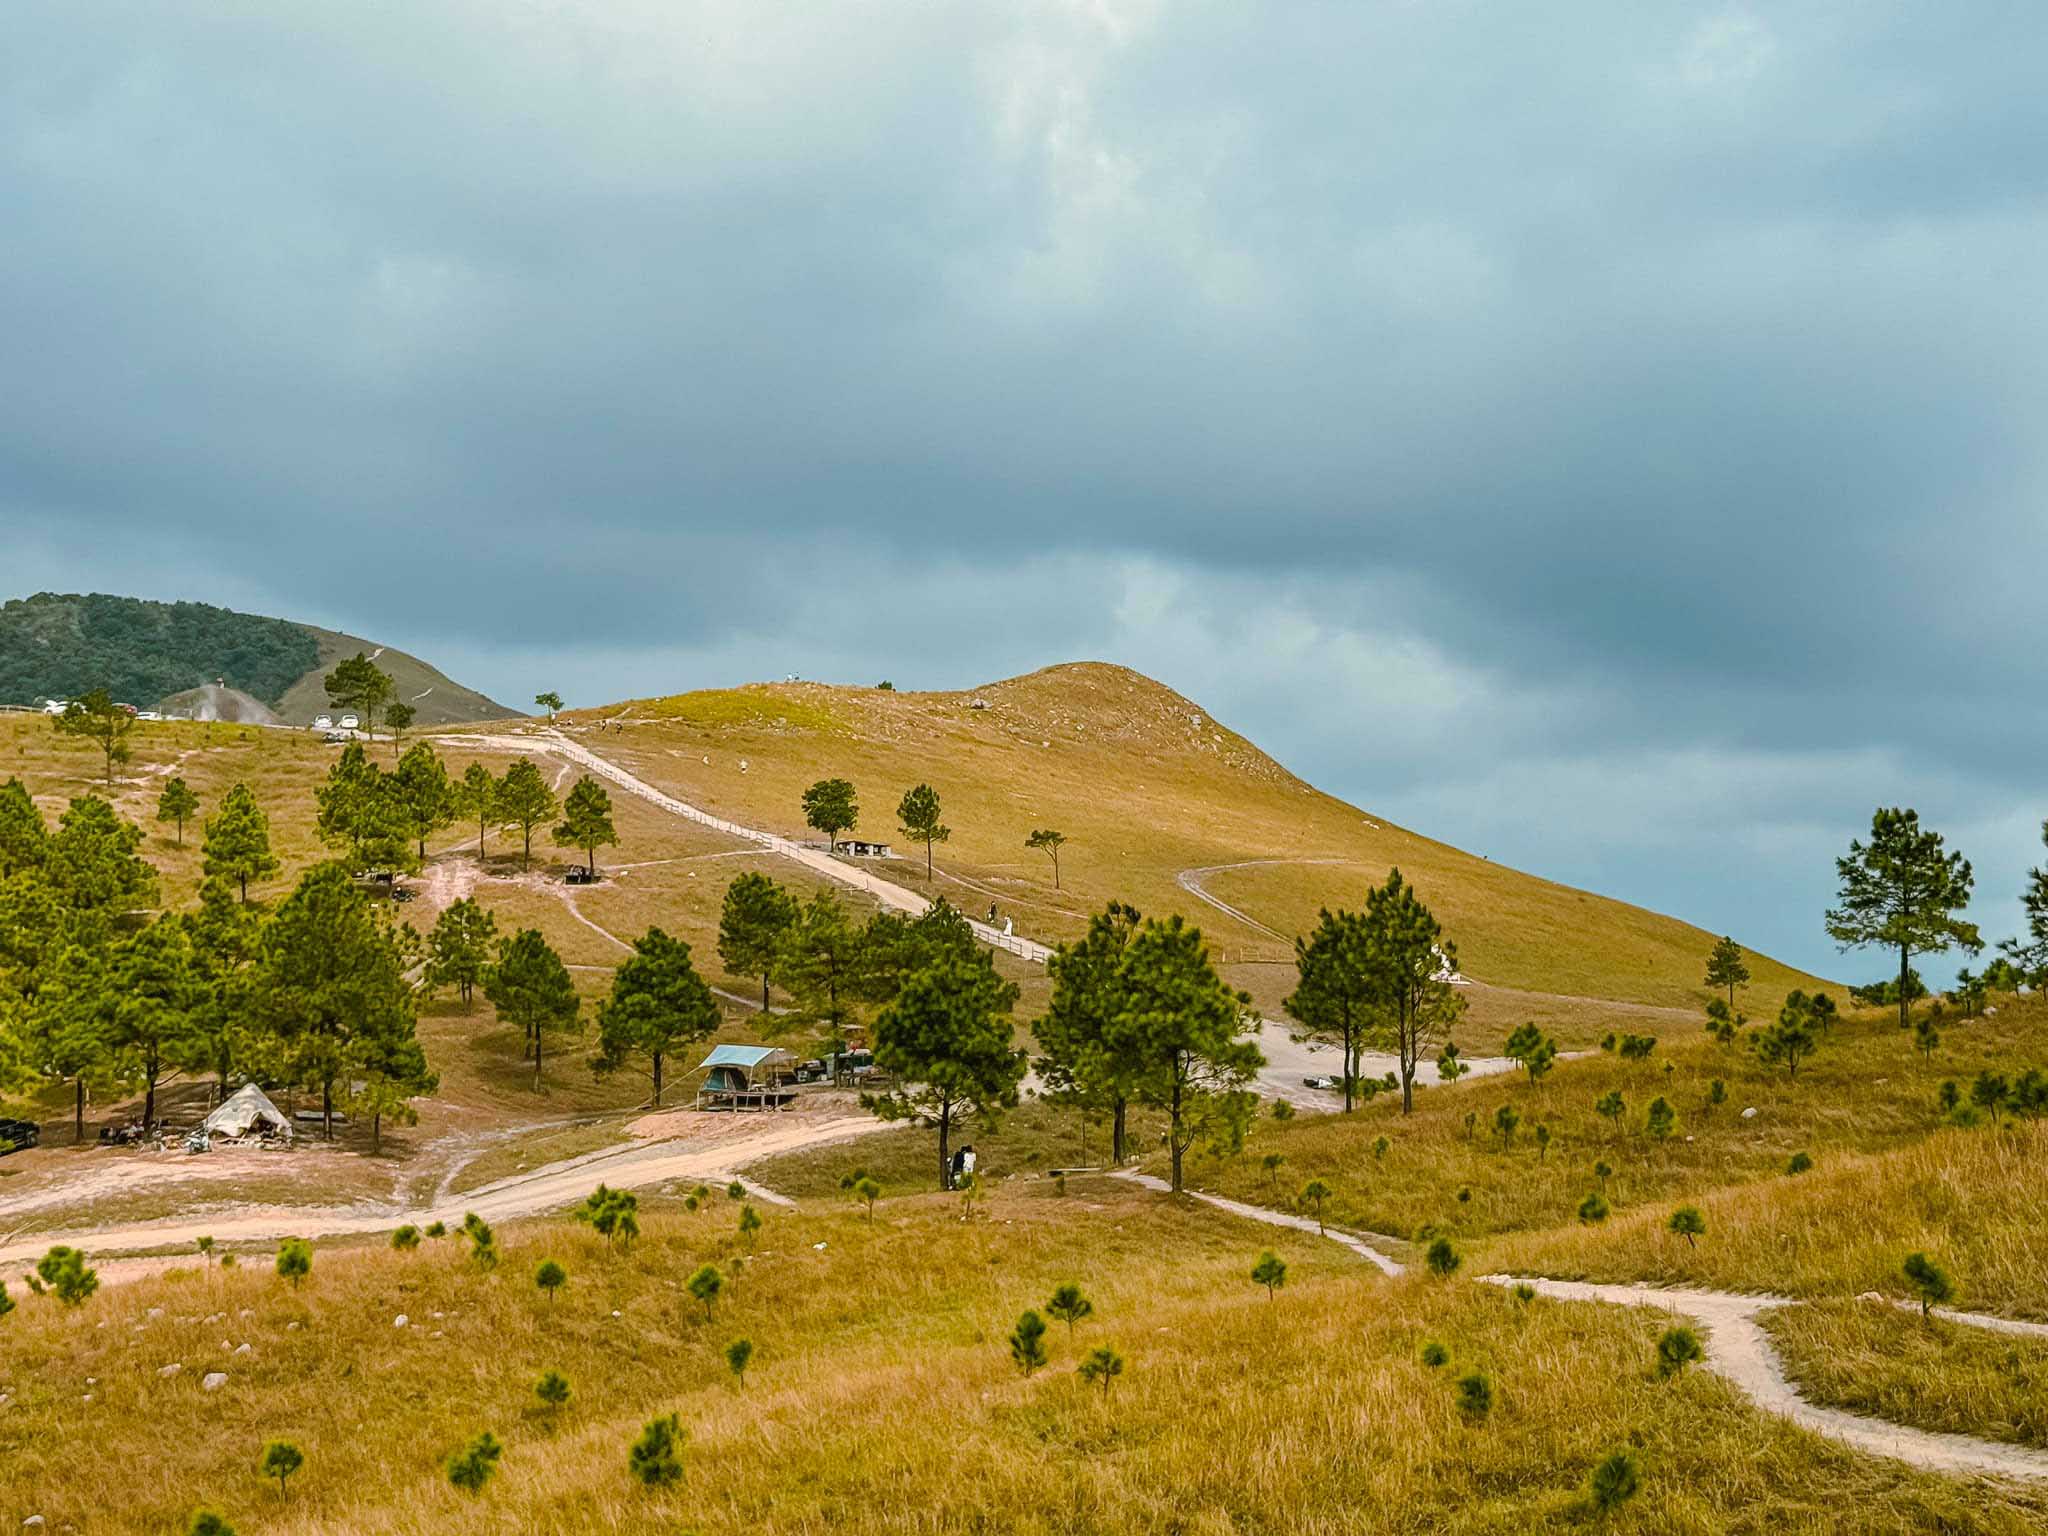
[476,1463]
[1613,1482]
[1688,1223]
[1931,1283]
[552,1389]
[1270,1271]
[1069,1305]
[280,1460]
[1442,1257]
[295,1259]
[655,1459]
[1313,1194]
[549,1277]
[1678,1348]
[705,1283]
[1102,1365]
[1027,1343]
[406,1238]
[738,1355]
[1593,1209]
[1475,1396]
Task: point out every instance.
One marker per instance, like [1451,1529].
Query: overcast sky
[1606,436]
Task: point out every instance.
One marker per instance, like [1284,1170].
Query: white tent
[247,1109]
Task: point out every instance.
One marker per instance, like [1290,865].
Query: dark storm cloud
[1640,397]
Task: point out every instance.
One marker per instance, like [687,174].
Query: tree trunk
[1116,1132]
[327,1108]
[149,1097]
[1905,970]
[657,1079]
[376,1132]
[1173,1137]
[927,861]
[591,865]
[764,991]
[245,890]
[78,1110]
[536,1059]
[945,1138]
[1055,869]
[526,855]
[479,839]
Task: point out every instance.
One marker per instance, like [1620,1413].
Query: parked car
[578,875]
[323,722]
[351,722]
[18,1135]
[149,714]
[55,706]
[1315,1081]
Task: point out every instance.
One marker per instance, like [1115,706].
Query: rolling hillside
[1162,806]
[60,645]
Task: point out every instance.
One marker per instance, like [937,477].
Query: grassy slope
[439,699]
[882,1386]
[1145,785]
[1929,1373]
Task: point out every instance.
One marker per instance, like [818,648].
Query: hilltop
[215,661]
[1163,805]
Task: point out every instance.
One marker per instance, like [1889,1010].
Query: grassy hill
[1160,803]
[61,645]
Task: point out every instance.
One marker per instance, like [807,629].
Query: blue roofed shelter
[746,1077]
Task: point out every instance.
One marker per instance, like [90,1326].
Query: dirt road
[727,1145]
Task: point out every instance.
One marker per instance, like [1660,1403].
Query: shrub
[437,1229]
[1679,1348]
[750,1222]
[1270,1271]
[66,1273]
[295,1259]
[1475,1396]
[1930,1282]
[1282,1110]
[1662,1120]
[1069,1305]
[552,1389]
[1593,1209]
[1799,1163]
[1689,1224]
[1524,1293]
[1103,1365]
[736,1190]
[738,1355]
[549,1278]
[1313,1194]
[1441,1257]
[705,1284]
[280,1460]
[1613,1483]
[208,1522]
[1434,1354]
[656,1457]
[1379,1147]
[868,1192]
[1027,1343]
[406,1238]
[476,1463]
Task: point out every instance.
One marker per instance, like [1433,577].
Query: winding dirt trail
[1737,1350]
[732,1143]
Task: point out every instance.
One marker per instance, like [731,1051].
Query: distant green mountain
[61,645]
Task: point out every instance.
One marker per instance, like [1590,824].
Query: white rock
[820,1247]
[439,1334]
[400,1321]
[171,1370]
[154,1312]
[1749,1113]
[1871,1296]
[291,1327]
[246,1312]
[242,1349]
[32,1523]
[214,1381]
[615,1311]
[87,1398]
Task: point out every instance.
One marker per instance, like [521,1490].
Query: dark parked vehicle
[18,1135]
[579,875]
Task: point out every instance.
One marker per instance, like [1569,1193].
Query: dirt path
[727,1145]
[1190,880]
[894,897]
[1737,1349]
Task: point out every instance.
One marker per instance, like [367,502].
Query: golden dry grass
[1866,1090]
[1146,786]
[1925,1372]
[882,1398]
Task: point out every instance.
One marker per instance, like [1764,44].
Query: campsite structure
[740,1077]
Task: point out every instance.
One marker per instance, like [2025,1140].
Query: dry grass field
[881,1396]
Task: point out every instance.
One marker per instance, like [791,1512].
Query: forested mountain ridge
[61,645]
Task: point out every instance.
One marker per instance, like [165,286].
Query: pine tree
[705,1283]
[1678,1348]
[98,719]
[1727,968]
[658,1005]
[237,843]
[477,798]
[1902,891]
[552,1390]
[1069,1305]
[24,837]
[1027,1343]
[531,988]
[1930,1282]
[587,821]
[1270,1271]
[64,1272]
[549,1277]
[1103,1365]
[524,800]
[754,926]
[1413,964]
[177,804]
[946,1041]
[1085,1063]
[423,793]
[1049,842]
[156,1001]
[1689,1224]
[476,1463]
[655,1459]
[1338,992]
[830,807]
[459,948]
[280,1460]
[738,1355]
[919,814]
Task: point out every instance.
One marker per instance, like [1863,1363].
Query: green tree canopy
[1183,1030]
[459,948]
[177,804]
[423,794]
[98,719]
[2028,955]
[359,684]
[919,814]
[946,1040]
[1338,993]
[1085,1062]
[24,836]
[524,800]
[238,841]
[1412,964]
[754,926]
[587,821]
[361,809]
[1049,842]
[476,799]
[821,966]
[829,805]
[1726,967]
[92,863]
[658,1005]
[1901,891]
[530,987]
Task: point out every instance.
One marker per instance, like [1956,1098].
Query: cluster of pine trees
[99,992]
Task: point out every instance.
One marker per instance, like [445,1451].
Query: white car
[323,722]
[350,722]
[148,714]
[55,706]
